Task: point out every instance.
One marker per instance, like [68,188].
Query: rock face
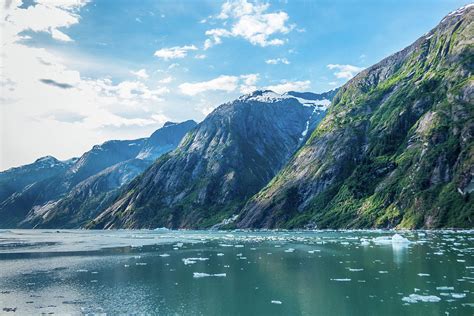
[220,164]
[395,149]
[50,193]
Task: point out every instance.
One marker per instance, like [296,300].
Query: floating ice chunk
[82,270]
[225,245]
[445,288]
[220,254]
[423,274]
[398,239]
[161,229]
[126,265]
[141,263]
[382,240]
[239,246]
[276,302]
[386,240]
[188,261]
[355,270]
[458,295]
[341,280]
[415,298]
[164,255]
[364,242]
[383,272]
[198,275]
[290,250]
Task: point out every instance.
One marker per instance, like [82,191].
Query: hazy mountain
[37,195]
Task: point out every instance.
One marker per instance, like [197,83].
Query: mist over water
[237,273]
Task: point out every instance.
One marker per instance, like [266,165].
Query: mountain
[395,149]
[45,196]
[16,179]
[220,164]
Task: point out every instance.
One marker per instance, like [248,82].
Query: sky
[74,73]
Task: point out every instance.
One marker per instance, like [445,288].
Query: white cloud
[290,86]
[344,71]
[59,14]
[244,83]
[221,83]
[174,52]
[166,80]
[45,104]
[60,36]
[140,73]
[277,61]
[200,56]
[251,22]
[249,83]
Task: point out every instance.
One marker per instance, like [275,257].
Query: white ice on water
[188,261]
[198,275]
[415,298]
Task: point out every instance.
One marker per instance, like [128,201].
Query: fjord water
[237,273]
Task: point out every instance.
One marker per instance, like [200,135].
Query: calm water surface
[236,273]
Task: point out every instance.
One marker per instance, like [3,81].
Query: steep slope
[37,203]
[165,139]
[231,155]
[396,148]
[86,199]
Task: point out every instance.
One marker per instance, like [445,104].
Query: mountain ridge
[388,129]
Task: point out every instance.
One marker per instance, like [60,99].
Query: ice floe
[341,280]
[415,298]
[198,275]
[188,261]
[276,302]
[458,295]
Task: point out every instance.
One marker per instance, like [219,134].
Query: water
[236,273]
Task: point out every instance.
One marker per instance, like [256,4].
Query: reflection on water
[236,273]
[400,252]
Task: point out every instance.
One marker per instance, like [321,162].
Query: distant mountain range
[391,148]
[53,193]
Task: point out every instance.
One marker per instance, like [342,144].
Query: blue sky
[77,72]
